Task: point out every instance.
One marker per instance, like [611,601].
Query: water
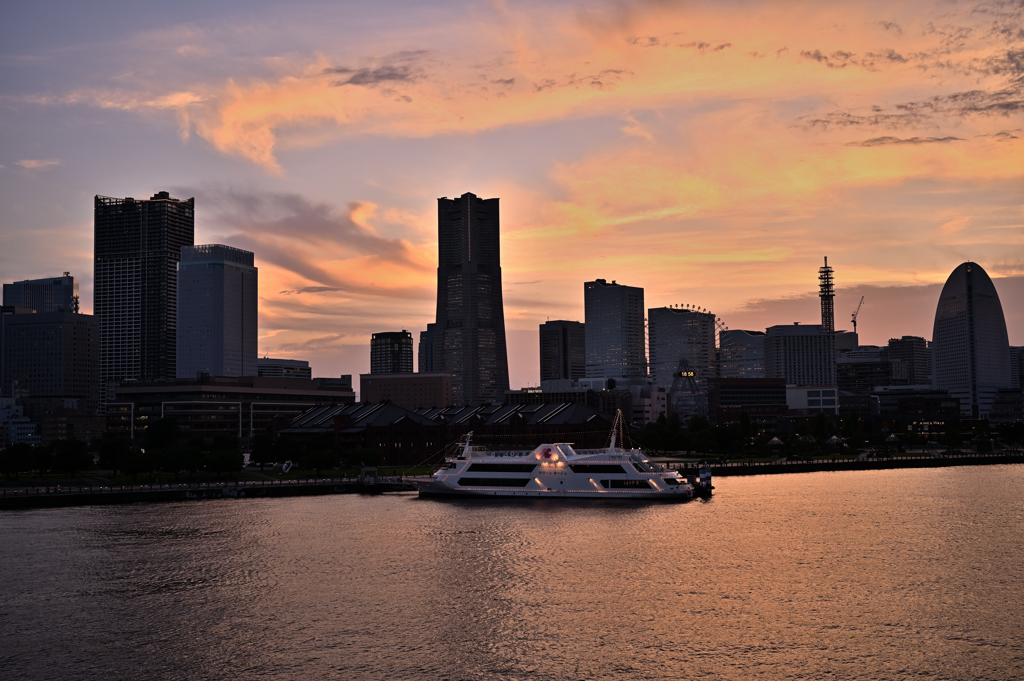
[858,575]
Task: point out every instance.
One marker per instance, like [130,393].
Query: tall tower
[827,295]
[614,329]
[972,349]
[217,308]
[469,336]
[136,253]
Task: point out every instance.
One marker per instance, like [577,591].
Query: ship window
[502,467]
[494,482]
[625,484]
[671,481]
[596,468]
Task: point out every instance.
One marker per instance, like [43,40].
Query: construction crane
[855,313]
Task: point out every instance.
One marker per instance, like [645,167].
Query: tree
[114,453]
[226,454]
[15,459]
[71,455]
[263,451]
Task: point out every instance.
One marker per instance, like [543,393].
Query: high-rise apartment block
[268,367]
[614,325]
[681,339]
[800,354]
[391,352]
[52,294]
[425,352]
[914,352]
[972,349]
[469,336]
[562,351]
[137,248]
[217,312]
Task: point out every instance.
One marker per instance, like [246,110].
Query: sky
[711,153]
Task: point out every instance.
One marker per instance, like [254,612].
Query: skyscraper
[614,321]
[52,294]
[972,349]
[425,352]
[562,351]
[469,336]
[137,248]
[677,335]
[391,352]
[217,308]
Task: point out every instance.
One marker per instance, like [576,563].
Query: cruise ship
[554,470]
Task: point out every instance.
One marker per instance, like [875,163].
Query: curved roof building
[972,350]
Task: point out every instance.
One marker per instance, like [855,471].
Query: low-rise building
[408,390]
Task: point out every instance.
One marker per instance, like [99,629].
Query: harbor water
[852,575]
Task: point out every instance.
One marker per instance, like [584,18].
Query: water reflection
[856,575]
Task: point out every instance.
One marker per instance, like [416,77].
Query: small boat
[554,470]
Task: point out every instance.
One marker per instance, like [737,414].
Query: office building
[562,350]
[972,350]
[408,390]
[137,248]
[913,350]
[391,352]
[741,353]
[52,354]
[52,294]
[469,333]
[681,340]
[425,352]
[801,354]
[217,312]
[1016,366]
[614,330]
[268,367]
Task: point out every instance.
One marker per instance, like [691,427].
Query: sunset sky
[711,153]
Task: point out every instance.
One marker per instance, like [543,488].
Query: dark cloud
[603,80]
[722,47]
[839,59]
[1004,135]
[388,73]
[889,141]
[507,82]
[891,26]
[889,55]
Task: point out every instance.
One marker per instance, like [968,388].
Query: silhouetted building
[408,390]
[913,350]
[741,353]
[469,336]
[425,352]
[217,312]
[211,406]
[1016,366]
[391,353]
[614,323]
[972,350]
[761,399]
[681,338]
[52,354]
[52,294]
[269,367]
[562,350]
[800,354]
[137,248]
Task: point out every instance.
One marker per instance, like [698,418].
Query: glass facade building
[614,325]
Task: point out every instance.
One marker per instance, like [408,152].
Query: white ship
[554,470]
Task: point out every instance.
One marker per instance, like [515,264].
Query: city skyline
[710,156]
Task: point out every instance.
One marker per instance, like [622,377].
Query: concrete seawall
[52,497]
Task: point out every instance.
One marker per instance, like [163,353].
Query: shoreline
[50,497]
